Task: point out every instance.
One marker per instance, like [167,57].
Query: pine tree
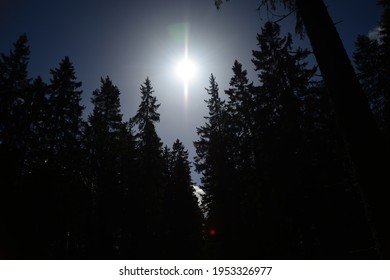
[370,57]
[243,138]
[182,216]
[212,161]
[106,139]
[284,79]
[211,132]
[14,85]
[372,73]
[130,180]
[148,142]
[150,168]
[104,132]
[60,186]
[241,109]
[66,114]
[37,108]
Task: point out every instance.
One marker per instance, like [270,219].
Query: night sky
[130,40]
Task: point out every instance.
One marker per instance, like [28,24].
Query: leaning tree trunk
[362,137]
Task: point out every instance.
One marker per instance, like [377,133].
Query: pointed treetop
[147,110]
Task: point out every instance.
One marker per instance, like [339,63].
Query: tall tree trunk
[362,137]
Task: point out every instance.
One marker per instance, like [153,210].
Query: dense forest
[279,180]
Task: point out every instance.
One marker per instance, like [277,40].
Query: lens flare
[185,68]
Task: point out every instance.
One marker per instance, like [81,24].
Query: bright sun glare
[186,69]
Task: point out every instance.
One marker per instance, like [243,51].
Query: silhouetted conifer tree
[60,184]
[241,142]
[37,109]
[371,56]
[130,181]
[241,109]
[14,85]
[373,75]
[212,161]
[106,140]
[283,77]
[150,168]
[182,216]
[66,110]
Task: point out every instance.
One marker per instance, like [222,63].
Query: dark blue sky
[132,39]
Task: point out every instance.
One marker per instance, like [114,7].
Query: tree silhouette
[182,216]
[150,170]
[105,144]
[213,162]
[66,114]
[37,110]
[241,109]
[373,72]
[351,108]
[283,77]
[370,72]
[58,189]
[241,142]
[14,85]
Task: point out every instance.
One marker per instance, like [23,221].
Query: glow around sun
[186,69]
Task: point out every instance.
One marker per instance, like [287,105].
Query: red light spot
[212,232]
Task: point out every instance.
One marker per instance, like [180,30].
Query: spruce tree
[243,135]
[14,85]
[241,108]
[106,139]
[63,181]
[149,190]
[66,110]
[373,75]
[212,161]
[182,216]
[37,109]
[284,79]
[371,56]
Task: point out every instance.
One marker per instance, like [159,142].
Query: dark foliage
[369,153]
[280,182]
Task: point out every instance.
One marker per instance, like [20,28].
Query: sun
[186,69]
